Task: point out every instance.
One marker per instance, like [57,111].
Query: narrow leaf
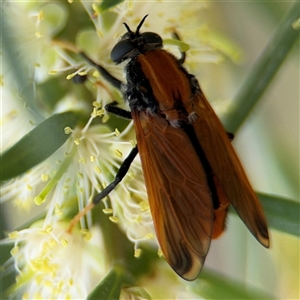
[7,272]
[110,287]
[282,214]
[37,145]
[265,69]
[107,4]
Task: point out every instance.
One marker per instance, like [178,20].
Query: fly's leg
[120,175]
[111,108]
[118,178]
[117,111]
[106,75]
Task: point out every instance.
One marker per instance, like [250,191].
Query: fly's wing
[178,194]
[228,169]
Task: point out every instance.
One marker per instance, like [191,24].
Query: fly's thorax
[158,84]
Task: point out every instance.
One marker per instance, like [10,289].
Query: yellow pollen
[133,143]
[100,113]
[159,252]
[68,297]
[37,262]
[44,177]
[25,296]
[137,252]
[97,169]
[96,104]
[14,250]
[64,242]
[117,132]
[70,76]
[38,34]
[60,284]
[40,16]
[82,160]
[95,7]
[29,187]
[118,153]
[114,219]
[105,118]
[71,281]
[96,74]
[57,210]
[68,130]
[77,141]
[49,228]
[107,211]
[144,206]
[52,72]
[94,113]
[138,219]
[87,235]
[13,235]
[92,158]
[37,65]
[52,243]
[149,235]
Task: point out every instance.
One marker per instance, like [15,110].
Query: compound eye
[121,50]
[152,39]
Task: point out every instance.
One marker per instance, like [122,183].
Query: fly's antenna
[140,25]
[127,27]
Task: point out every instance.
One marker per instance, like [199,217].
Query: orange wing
[178,193]
[227,168]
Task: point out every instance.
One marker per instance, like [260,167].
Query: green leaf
[7,272]
[110,287]
[266,67]
[107,4]
[52,95]
[17,67]
[282,214]
[37,145]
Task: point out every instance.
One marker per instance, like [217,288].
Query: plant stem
[264,70]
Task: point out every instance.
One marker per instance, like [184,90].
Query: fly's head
[132,43]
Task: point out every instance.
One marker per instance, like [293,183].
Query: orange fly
[191,170]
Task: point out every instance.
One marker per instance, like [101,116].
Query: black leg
[230,136]
[120,175]
[113,109]
[111,79]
